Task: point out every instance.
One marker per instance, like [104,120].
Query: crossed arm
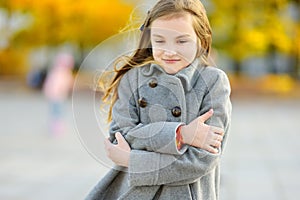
[196,134]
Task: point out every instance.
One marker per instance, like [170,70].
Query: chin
[172,71]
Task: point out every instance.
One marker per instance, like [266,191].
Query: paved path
[261,160]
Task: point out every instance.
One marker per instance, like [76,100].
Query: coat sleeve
[158,136]
[152,168]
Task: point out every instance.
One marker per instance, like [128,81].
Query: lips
[170,61]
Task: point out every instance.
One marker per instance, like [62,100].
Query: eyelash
[179,42]
[182,41]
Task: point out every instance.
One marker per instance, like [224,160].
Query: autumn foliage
[54,22]
[241,29]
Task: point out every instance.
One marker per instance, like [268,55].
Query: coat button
[153,83]
[176,111]
[142,102]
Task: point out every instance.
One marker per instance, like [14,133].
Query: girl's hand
[119,153]
[201,135]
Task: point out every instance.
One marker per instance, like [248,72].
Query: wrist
[124,160]
[127,158]
[179,140]
[185,139]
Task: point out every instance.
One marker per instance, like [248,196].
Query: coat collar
[188,75]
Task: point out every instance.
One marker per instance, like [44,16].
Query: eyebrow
[180,36]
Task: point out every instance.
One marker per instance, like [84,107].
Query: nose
[169,53]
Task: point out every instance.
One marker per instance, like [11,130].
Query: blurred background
[257,43]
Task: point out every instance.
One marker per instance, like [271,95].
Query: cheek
[189,52]
[156,53]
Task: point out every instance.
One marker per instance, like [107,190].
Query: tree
[250,28]
[53,22]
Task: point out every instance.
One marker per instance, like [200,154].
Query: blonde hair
[143,54]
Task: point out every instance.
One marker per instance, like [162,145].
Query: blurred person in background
[56,88]
[36,78]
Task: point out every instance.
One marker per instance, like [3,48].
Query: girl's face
[174,42]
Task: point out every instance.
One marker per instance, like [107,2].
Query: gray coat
[151,105]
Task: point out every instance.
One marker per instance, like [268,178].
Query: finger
[218,137]
[108,147]
[216,144]
[206,115]
[211,149]
[217,130]
[120,138]
[107,143]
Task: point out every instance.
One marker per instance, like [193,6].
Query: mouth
[171,61]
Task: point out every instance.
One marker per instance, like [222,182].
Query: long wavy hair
[143,54]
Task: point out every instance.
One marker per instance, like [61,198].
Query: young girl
[57,87]
[170,111]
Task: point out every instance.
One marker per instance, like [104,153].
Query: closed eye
[182,41]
